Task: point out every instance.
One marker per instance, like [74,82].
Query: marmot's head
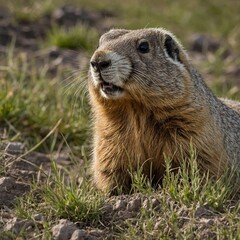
[139,65]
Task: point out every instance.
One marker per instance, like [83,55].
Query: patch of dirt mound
[18,172]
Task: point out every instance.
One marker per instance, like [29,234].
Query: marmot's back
[150,103]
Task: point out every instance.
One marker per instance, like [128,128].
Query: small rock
[14,148]
[120,205]
[58,14]
[146,204]
[107,208]
[10,189]
[78,235]
[63,230]
[31,162]
[203,43]
[16,225]
[203,211]
[233,70]
[134,205]
[39,217]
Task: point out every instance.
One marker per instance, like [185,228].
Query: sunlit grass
[31,103]
[186,190]
[61,196]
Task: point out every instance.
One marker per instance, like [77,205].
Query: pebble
[39,217]
[120,205]
[134,205]
[146,204]
[78,235]
[202,43]
[202,211]
[10,189]
[107,208]
[14,148]
[63,230]
[17,225]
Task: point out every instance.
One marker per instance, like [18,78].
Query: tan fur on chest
[129,137]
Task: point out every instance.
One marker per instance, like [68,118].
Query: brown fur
[144,127]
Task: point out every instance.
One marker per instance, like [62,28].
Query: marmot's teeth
[109,87]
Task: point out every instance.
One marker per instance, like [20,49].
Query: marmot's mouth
[109,88]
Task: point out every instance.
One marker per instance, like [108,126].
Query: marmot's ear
[171,48]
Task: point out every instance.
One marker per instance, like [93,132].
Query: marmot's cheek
[96,83]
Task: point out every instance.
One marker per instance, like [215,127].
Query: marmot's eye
[143,46]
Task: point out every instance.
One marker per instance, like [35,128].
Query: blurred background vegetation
[219,18]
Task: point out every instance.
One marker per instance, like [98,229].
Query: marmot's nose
[99,65]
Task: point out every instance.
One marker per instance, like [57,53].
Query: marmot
[150,103]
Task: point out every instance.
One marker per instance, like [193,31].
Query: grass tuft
[189,185]
[182,192]
[76,37]
[140,182]
[62,197]
[66,199]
